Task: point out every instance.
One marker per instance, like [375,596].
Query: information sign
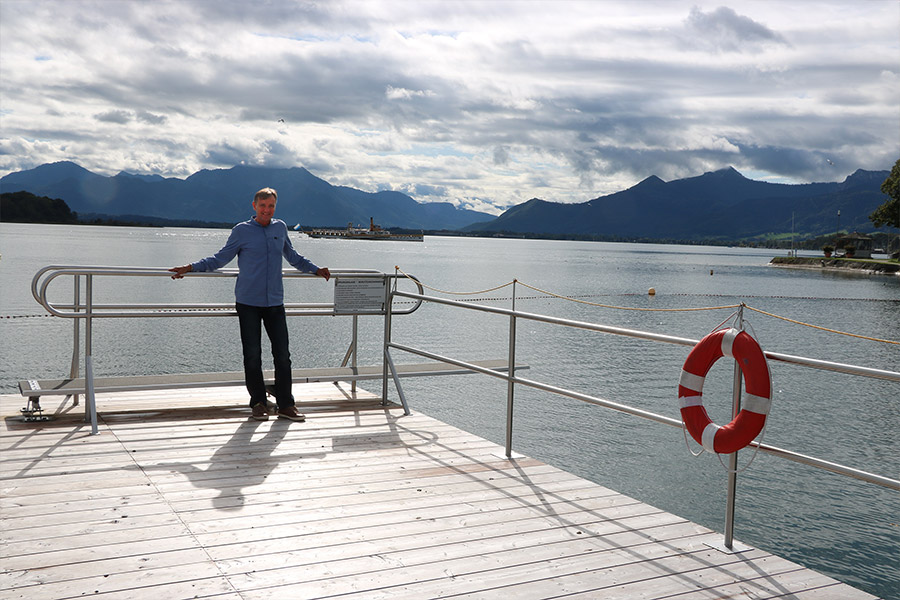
[359,295]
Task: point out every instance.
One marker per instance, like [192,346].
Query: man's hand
[180,271]
[324,272]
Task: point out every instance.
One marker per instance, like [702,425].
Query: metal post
[732,466]
[76,337]
[90,404]
[792,236]
[511,372]
[837,234]
[732,459]
[387,340]
[355,346]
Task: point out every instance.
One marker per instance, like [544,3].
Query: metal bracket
[33,411]
[735,548]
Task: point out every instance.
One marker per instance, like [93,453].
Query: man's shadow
[244,461]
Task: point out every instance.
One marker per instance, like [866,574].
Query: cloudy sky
[481,103]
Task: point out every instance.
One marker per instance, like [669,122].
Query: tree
[889,212]
[24,207]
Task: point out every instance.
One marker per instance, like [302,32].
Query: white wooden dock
[183,496]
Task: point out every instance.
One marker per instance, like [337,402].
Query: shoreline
[864,266]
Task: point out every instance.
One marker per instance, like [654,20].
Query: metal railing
[84,308]
[513,380]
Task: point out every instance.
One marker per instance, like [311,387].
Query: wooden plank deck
[182,496]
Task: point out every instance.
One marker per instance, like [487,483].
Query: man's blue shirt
[259,251]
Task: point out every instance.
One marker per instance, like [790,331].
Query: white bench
[33,389]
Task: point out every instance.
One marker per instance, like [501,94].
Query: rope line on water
[433,289]
[643,309]
[571,299]
[779,297]
[856,335]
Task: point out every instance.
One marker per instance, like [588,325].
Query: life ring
[755,402]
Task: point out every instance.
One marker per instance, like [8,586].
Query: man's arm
[216,261]
[301,263]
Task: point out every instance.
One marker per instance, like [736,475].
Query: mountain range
[719,205]
[224,195]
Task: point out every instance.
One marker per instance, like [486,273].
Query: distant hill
[22,207]
[224,195]
[721,205]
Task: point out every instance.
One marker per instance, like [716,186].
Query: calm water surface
[847,529]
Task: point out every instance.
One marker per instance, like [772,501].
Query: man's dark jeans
[251,318]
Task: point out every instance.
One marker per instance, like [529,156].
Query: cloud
[225,154]
[725,30]
[262,153]
[393,93]
[150,118]
[477,103]
[423,190]
[115,116]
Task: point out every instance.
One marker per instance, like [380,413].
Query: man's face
[265,209]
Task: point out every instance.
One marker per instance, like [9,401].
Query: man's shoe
[259,412]
[290,412]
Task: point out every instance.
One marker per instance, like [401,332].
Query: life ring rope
[719,456]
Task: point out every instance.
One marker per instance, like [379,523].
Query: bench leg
[90,401]
[393,371]
[33,410]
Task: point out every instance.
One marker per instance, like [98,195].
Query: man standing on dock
[259,244]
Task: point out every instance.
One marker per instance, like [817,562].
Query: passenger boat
[374,232]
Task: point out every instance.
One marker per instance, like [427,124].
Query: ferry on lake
[374,232]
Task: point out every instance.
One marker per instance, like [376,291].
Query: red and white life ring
[755,402]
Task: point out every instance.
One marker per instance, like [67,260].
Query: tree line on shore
[25,207]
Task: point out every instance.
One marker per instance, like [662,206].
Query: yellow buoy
[651,291]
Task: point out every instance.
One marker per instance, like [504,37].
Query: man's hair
[266,193]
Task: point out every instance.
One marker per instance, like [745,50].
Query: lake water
[844,528]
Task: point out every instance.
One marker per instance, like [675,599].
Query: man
[259,245]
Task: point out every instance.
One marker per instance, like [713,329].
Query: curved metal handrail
[88,311]
[42,279]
